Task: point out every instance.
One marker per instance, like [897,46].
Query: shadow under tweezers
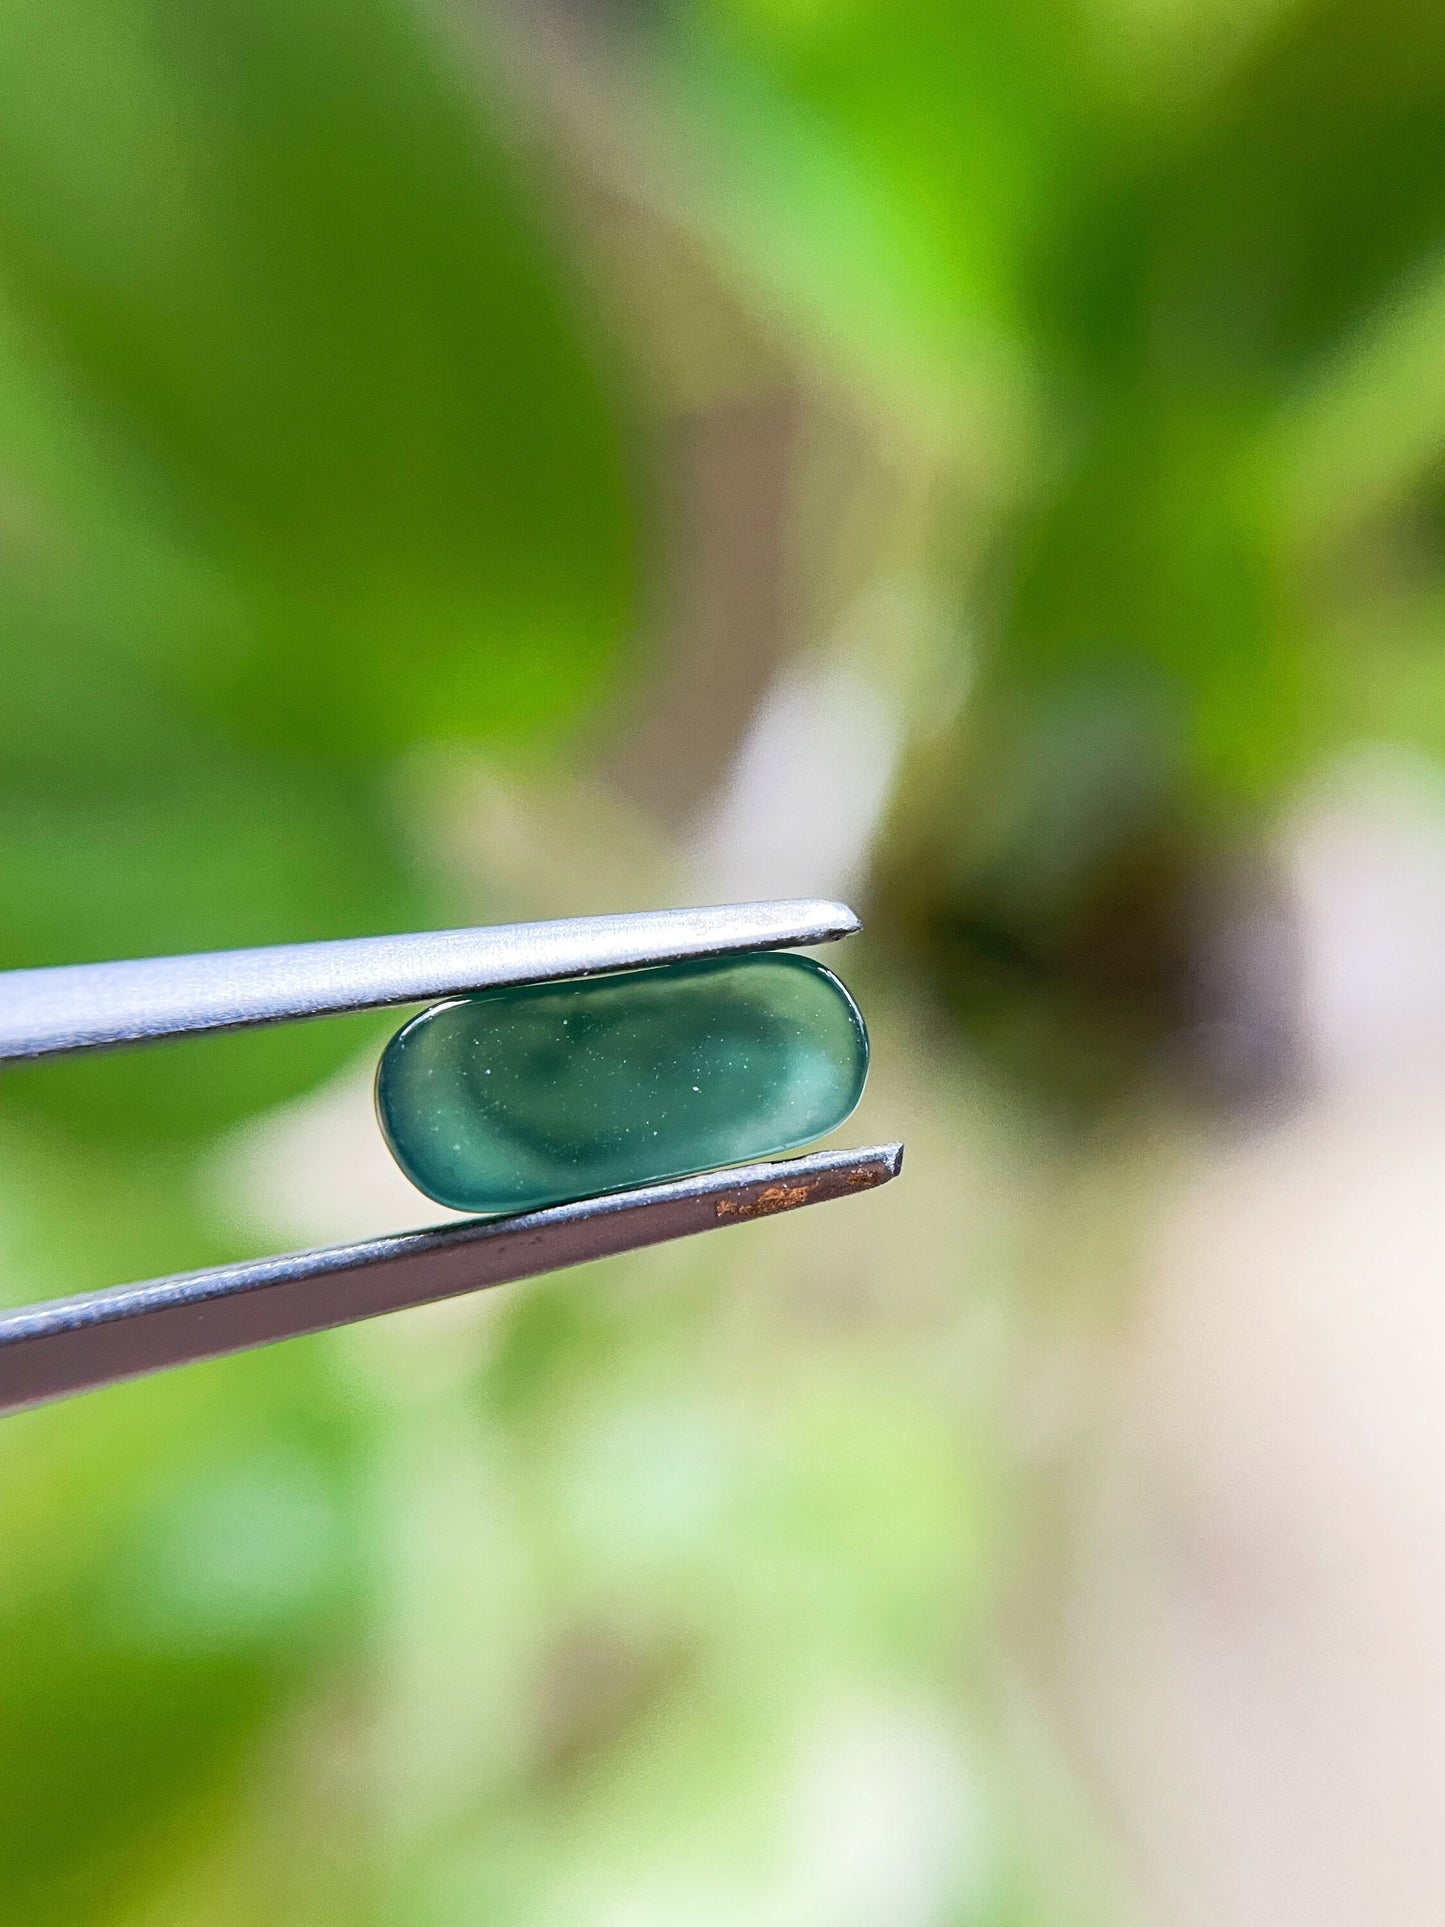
[69,1345]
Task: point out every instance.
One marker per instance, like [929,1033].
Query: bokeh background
[461,461]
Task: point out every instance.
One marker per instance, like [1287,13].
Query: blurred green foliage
[1163,280]
[320,447]
[307,459]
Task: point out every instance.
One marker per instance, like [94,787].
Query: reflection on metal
[79,1007]
[75,1344]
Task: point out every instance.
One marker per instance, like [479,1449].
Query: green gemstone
[518,1098]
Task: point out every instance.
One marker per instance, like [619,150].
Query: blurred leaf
[307,454]
[274,246]
[154,1622]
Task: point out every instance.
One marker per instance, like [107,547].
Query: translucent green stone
[519,1098]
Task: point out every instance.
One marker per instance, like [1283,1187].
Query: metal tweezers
[68,1345]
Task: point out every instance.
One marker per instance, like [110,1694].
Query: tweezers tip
[815,919]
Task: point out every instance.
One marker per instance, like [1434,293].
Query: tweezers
[68,1345]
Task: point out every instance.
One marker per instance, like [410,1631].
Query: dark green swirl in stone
[518,1098]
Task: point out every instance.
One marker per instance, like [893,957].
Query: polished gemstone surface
[518,1098]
